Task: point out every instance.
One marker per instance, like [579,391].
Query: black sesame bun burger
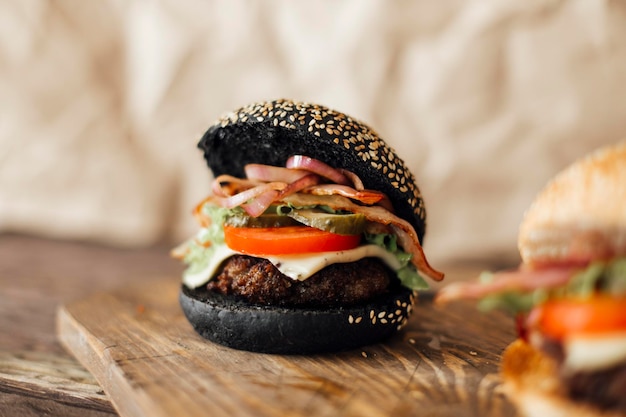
[311,238]
[569,294]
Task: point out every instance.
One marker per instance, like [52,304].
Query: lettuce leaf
[407,274]
[200,249]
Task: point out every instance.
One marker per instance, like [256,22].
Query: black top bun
[270,132]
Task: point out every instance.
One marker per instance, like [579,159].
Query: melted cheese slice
[297,267]
[593,353]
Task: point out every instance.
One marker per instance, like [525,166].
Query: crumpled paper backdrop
[103,102]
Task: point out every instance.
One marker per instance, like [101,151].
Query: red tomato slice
[598,314]
[286,240]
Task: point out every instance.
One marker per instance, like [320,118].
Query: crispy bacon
[356,181]
[368,197]
[522,279]
[227,185]
[266,184]
[407,237]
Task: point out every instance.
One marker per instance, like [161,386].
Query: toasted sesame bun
[272,329]
[579,215]
[270,132]
[530,380]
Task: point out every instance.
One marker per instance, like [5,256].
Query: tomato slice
[578,316]
[286,240]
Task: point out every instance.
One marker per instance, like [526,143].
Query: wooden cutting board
[140,348]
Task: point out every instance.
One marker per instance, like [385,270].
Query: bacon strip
[227,185]
[407,238]
[356,181]
[364,196]
[525,280]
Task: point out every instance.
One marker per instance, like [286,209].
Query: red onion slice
[259,204]
[268,173]
[247,195]
[302,183]
[317,167]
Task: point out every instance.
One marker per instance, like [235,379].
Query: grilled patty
[258,282]
[603,389]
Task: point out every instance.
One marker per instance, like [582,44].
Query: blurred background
[102,103]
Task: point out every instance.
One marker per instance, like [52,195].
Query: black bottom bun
[531,381]
[270,329]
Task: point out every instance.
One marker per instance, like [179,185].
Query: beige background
[102,103]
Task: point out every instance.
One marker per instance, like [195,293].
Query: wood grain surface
[150,362]
[38,377]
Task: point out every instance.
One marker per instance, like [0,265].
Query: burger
[310,240]
[568,295]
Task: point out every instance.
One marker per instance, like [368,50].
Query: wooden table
[39,377]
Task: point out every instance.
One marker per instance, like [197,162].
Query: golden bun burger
[568,295]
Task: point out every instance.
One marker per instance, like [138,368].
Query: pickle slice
[264,220]
[342,224]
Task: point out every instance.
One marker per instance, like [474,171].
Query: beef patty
[603,389]
[259,282]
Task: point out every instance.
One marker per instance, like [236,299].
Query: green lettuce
[407,274]
[198,252]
